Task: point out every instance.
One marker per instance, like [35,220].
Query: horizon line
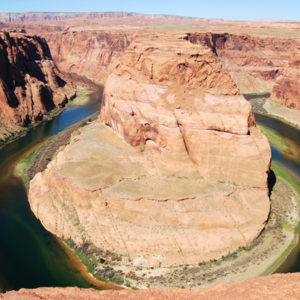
[149,14]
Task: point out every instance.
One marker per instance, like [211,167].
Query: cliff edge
[30,83]
[279,286]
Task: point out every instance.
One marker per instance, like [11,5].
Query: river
[29,255]
[32,257]
[291,162]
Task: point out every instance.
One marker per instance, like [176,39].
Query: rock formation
[30,83]
[87,52]
[180,177]
[275,287]
[286,91]
[253,62]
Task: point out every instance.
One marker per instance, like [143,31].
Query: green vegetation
[288,178]
[275,139]
[250,96]
[294,183]
[21,169]
[278,118]
[82,96]
[91,256]
[271,269]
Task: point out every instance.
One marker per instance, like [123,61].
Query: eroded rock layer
[253,62]
[286,91]
[179,173]
[89,53]
[30,83]
[279,286]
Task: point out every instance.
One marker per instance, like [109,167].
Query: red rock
[286,91]
[88,53]
[30,83]
[254,62]
[190,182]
[275,287]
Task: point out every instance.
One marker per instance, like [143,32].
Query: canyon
[30,83]
[175,171]
[255,53]
[253,62]
[182,175]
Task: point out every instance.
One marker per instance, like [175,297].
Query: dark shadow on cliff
[271,181]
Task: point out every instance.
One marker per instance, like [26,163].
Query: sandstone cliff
[253,62]
[87,52]
[189,185]
[30,83]
[286,91]
[275,287]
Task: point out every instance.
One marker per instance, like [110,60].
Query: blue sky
[227,9]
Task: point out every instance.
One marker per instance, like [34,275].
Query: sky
[227,9]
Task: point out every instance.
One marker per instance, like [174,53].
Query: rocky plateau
[175,174]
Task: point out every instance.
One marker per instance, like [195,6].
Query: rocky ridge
[30,83]
[182,175]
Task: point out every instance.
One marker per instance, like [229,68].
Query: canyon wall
[30,83]
[88,53]
[253,62]
[286,90]
[177,176]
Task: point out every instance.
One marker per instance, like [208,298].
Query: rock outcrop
[30,83]
[279,286]
[180,177]
[254,62]
[88,53]
[286,91]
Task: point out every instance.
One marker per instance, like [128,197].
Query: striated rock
[180,176]
[279,286]
[286,91]
[87,52]
[30,83]
[253,62]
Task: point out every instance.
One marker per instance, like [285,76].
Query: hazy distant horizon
[247,10]
[147,14]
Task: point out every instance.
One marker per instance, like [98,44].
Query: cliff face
[30,83]
[180,176]
[253,62]
[286,90]
[87,52]
[279,286]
